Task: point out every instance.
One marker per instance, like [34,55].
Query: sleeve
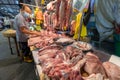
[117,11]
[21,21]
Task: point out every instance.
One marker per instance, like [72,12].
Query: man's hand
[26,31]
[36,33]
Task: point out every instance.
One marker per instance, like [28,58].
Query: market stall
[58,62]
[64,39]
[63,57]
[57,53]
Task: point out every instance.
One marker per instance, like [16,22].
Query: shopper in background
[1,24]
[7,22]
[22,29]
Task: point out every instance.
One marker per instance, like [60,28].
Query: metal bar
[10,45]
[36,2]
[31,5]
[16,46]
[8,4]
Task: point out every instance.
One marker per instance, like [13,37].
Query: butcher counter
[58,55]
[40,76]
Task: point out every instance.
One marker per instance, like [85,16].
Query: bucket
[117,44]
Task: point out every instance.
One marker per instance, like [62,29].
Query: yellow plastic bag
[36,10]
[65,28]
[38,28]
[42,1]
[38,14]
[38,22]
[83,31]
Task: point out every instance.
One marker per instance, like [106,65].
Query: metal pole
[29,5]
[36,2]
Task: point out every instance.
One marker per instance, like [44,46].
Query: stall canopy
[11,7]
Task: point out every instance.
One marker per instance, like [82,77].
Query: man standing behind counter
[22,29]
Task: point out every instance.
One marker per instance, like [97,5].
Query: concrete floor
[11,67]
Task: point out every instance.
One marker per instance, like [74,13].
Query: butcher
[22,30]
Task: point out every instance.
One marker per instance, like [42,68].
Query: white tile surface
[35,56]
[115,59]
[39,69]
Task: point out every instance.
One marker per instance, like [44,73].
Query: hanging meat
[57,11]
[72,28]
[51,5]
[54,20]
[61,18]
[65,11]
[62,14]
[68,13]
[46,19]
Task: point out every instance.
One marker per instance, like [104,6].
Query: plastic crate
[117,44]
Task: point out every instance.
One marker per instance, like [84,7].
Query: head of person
[26,11]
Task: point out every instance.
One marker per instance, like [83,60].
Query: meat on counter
[70,63]
[112,70]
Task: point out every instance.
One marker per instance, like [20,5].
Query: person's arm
[26,31]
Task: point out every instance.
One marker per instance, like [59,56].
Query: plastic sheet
[80,4]
[105,17]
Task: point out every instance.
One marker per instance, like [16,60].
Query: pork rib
[62,14]
[68,12]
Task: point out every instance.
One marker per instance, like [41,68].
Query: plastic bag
[83,29]
[80,4]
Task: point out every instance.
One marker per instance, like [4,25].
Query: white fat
[64,40]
